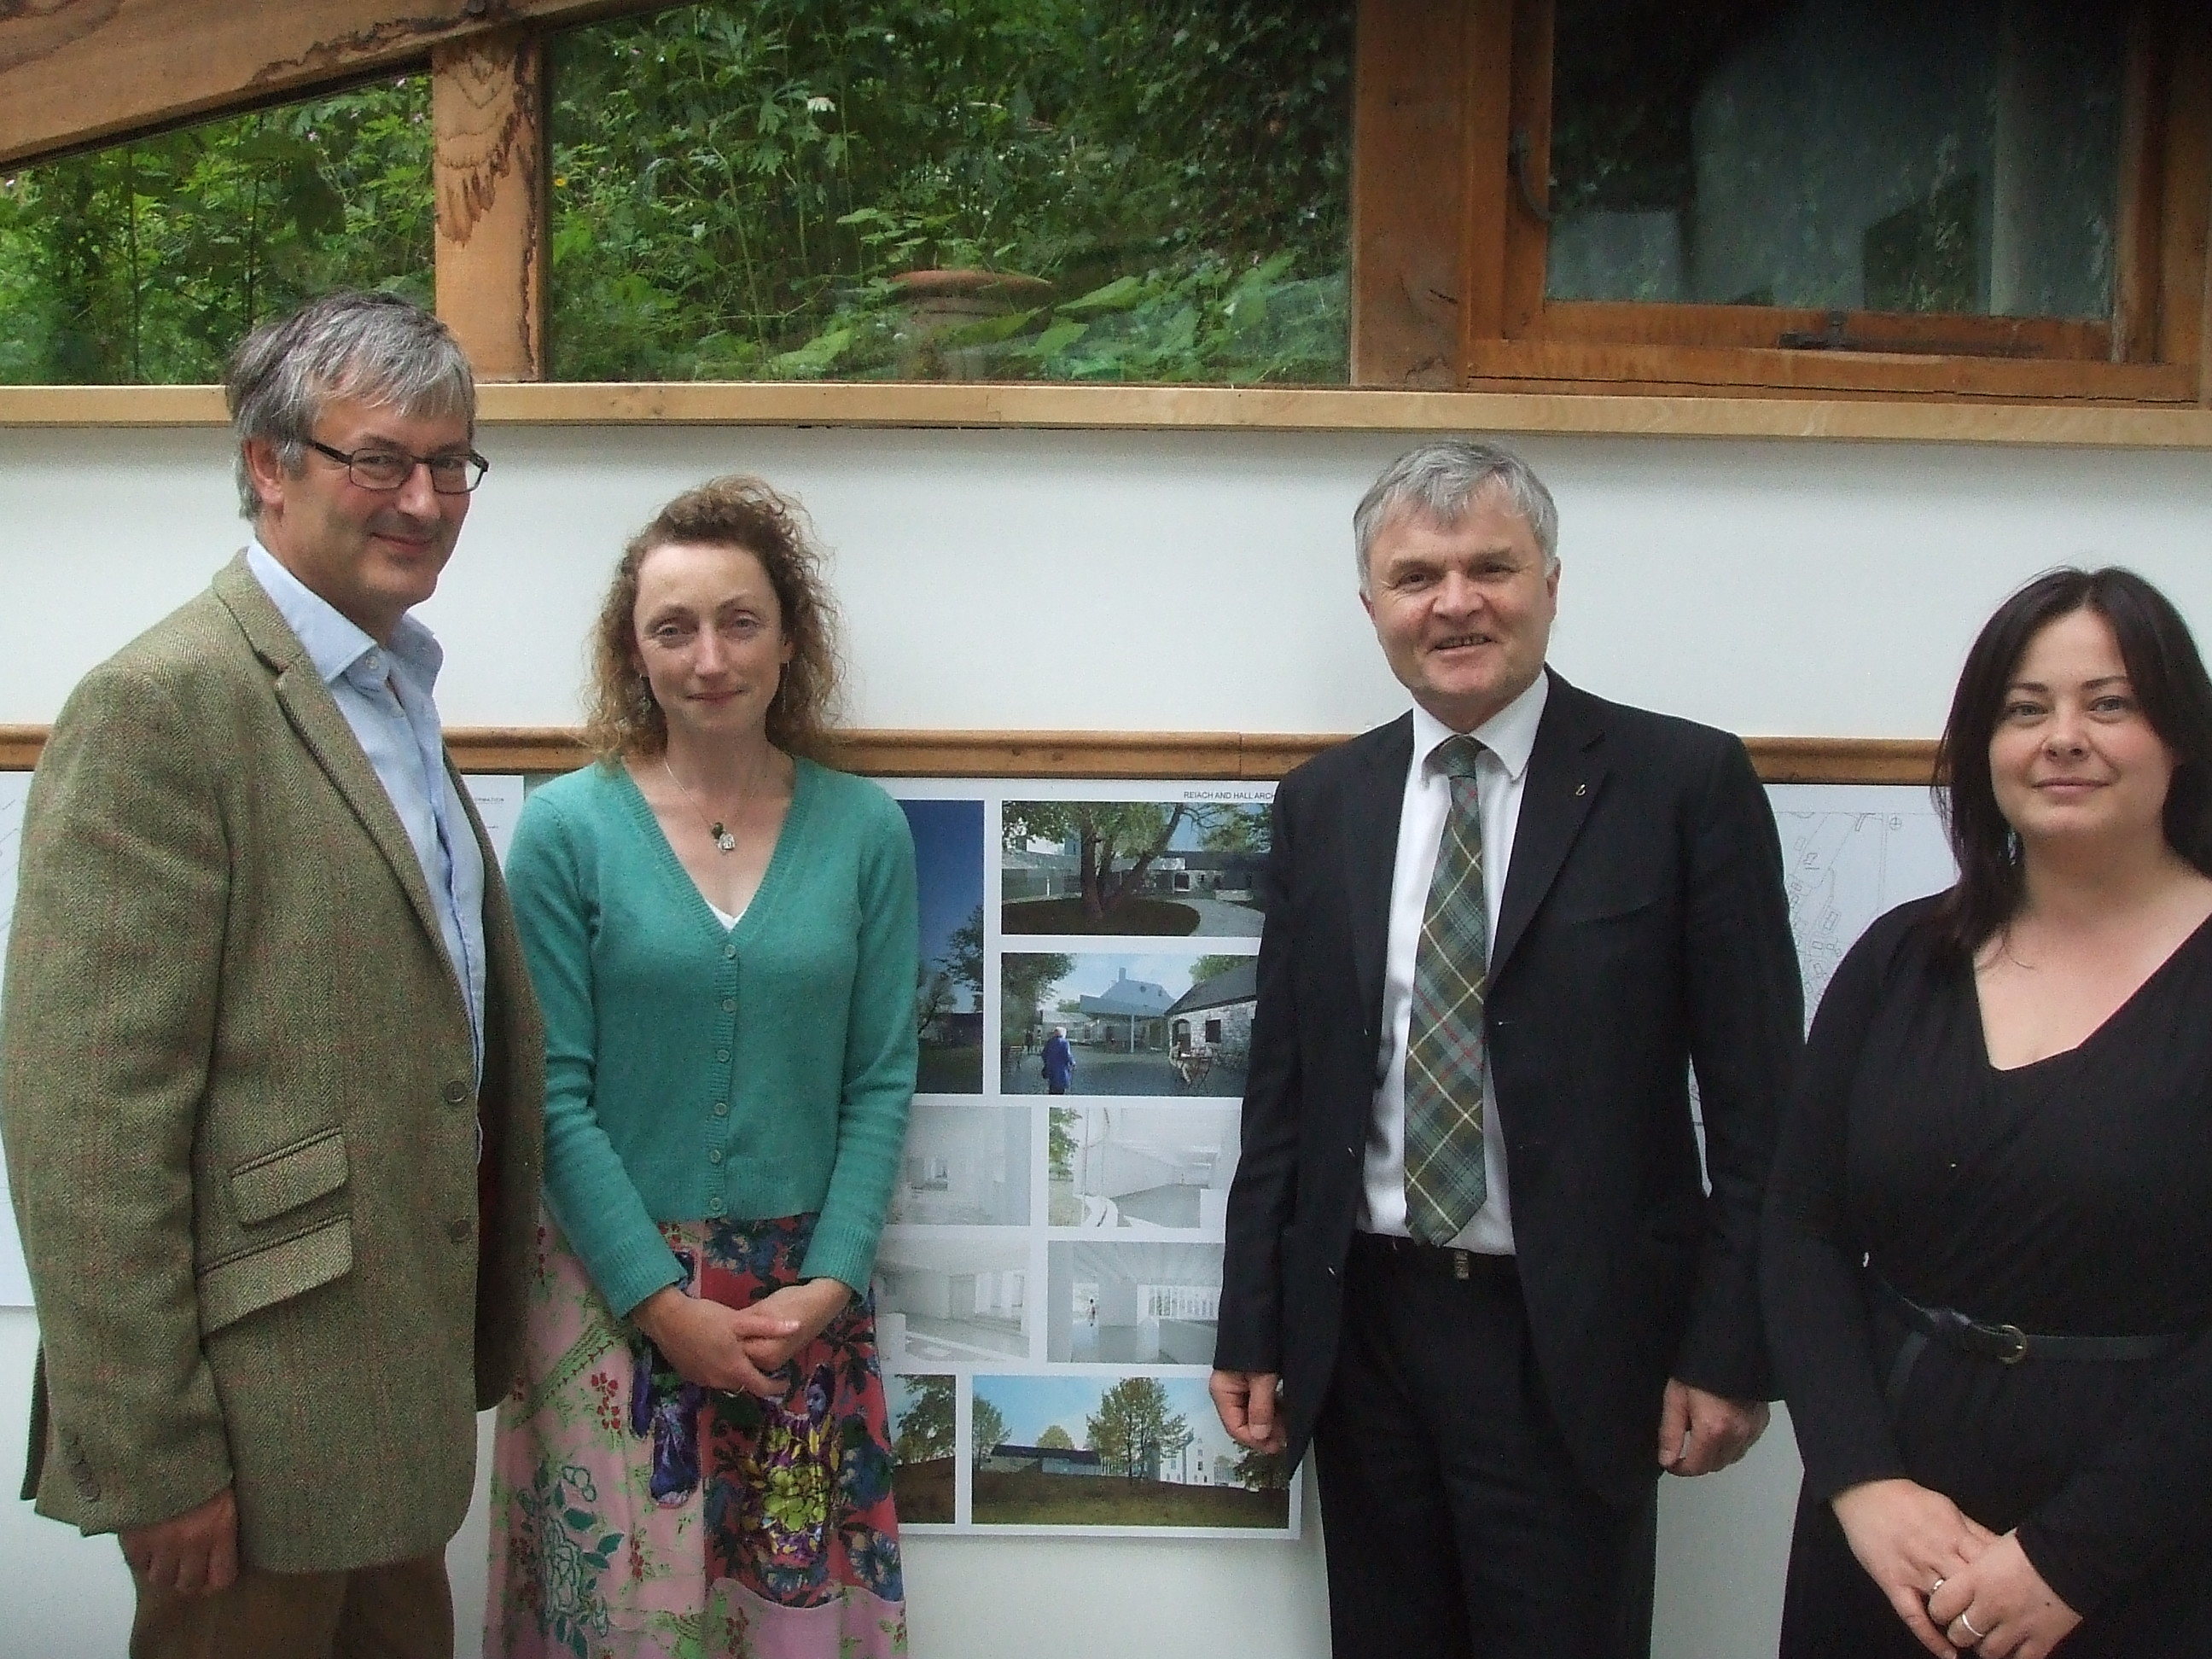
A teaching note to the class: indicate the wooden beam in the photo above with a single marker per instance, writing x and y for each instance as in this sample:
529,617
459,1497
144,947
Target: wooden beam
76,73
1249,756
1409,136
488,110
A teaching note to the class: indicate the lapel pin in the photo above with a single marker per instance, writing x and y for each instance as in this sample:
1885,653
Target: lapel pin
1582,789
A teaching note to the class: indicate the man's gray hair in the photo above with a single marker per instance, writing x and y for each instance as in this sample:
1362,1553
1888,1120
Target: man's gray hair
379,348
1439,479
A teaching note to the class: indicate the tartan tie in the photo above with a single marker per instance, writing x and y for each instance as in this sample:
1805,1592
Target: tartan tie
1444,1180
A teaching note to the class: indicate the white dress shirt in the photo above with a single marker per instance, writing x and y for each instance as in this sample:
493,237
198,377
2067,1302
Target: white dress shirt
386,697
1507,739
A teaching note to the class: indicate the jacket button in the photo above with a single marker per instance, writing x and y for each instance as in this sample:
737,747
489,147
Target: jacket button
456,1092
458,1229
89,1490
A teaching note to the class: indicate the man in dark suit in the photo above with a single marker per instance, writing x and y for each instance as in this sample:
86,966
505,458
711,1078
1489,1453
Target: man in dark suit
1470,1255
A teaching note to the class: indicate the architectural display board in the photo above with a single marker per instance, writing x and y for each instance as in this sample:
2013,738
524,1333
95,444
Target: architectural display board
1047,1290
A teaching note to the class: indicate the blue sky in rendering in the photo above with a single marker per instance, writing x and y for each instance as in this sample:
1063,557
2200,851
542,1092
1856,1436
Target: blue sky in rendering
948,857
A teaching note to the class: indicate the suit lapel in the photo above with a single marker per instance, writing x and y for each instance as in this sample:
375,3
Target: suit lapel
314,714
1566,770
1372,803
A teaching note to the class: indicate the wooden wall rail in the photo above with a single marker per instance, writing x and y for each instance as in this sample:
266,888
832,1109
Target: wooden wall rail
1224,409
1228,756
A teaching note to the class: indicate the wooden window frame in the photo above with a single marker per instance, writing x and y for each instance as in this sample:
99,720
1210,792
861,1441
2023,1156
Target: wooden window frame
1458,300
1447,266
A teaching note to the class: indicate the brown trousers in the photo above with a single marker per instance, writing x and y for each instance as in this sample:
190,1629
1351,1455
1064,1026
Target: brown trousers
402,1611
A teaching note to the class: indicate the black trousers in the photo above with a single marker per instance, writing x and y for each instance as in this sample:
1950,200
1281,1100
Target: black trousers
1455,1524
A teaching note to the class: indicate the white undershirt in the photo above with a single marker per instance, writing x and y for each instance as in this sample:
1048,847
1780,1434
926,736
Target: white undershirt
1507,738
725,917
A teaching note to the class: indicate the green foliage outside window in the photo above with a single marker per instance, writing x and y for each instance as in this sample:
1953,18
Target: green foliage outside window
148,262
740,191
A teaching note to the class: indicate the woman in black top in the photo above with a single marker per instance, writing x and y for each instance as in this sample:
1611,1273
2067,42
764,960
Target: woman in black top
1988,1248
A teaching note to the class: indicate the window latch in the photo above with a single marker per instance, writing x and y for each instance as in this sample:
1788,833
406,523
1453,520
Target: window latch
1518,151
1831,338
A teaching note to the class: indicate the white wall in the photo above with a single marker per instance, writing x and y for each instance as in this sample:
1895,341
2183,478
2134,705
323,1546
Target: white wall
1035,580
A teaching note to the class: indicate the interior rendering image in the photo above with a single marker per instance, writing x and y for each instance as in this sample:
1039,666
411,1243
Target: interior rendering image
1140,1304
946,1297
965,1165
1142,1169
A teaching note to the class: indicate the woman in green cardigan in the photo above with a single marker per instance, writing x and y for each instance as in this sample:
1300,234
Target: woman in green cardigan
722,933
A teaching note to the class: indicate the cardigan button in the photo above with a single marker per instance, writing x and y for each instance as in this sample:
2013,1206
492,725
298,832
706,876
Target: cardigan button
728,952
729,1004
721,1109
713,1155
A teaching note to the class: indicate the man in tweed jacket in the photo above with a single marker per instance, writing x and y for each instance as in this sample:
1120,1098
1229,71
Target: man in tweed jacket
270,1072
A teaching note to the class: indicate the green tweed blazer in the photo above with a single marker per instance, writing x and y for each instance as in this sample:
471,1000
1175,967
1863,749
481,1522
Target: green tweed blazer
241,1116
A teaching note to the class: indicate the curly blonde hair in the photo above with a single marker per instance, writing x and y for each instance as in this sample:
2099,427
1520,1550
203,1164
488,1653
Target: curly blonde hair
623,720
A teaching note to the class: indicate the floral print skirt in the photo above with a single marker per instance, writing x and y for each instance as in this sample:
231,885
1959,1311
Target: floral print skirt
635,1515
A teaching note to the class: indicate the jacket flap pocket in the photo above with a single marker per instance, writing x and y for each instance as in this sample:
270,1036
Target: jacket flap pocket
246,1284
288,1177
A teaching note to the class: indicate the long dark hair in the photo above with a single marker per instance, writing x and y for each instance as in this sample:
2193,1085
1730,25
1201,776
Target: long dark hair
2170,686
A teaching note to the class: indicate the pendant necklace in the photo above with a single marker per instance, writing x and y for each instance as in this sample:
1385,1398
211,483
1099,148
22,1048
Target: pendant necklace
723,841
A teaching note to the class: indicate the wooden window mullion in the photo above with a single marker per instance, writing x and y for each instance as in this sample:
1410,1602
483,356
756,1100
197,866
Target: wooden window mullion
2143,167
1431,82
2185,274
489,109
1529,185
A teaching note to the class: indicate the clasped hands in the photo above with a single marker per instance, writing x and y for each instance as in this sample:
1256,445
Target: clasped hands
1957,1585
740,1350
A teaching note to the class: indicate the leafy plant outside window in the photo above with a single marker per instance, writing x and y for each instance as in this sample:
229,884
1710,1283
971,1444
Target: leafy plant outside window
147,262
1010,189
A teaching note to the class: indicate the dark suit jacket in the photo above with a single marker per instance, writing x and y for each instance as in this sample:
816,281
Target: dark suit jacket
238,1089
1644,928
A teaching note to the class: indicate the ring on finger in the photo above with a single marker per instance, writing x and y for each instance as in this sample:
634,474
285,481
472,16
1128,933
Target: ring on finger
1978,1634
1936,1588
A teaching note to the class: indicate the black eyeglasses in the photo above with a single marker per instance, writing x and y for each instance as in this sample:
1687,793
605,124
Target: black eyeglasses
389,469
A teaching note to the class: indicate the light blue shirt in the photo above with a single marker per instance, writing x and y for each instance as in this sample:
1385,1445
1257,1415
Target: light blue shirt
386,697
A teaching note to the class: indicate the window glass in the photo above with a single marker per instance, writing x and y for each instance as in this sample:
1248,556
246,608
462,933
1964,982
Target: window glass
147,262
976,189
1844,154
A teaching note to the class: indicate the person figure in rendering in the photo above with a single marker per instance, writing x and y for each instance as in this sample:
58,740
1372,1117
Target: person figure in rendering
1058,1058
270,1072
1470,1256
